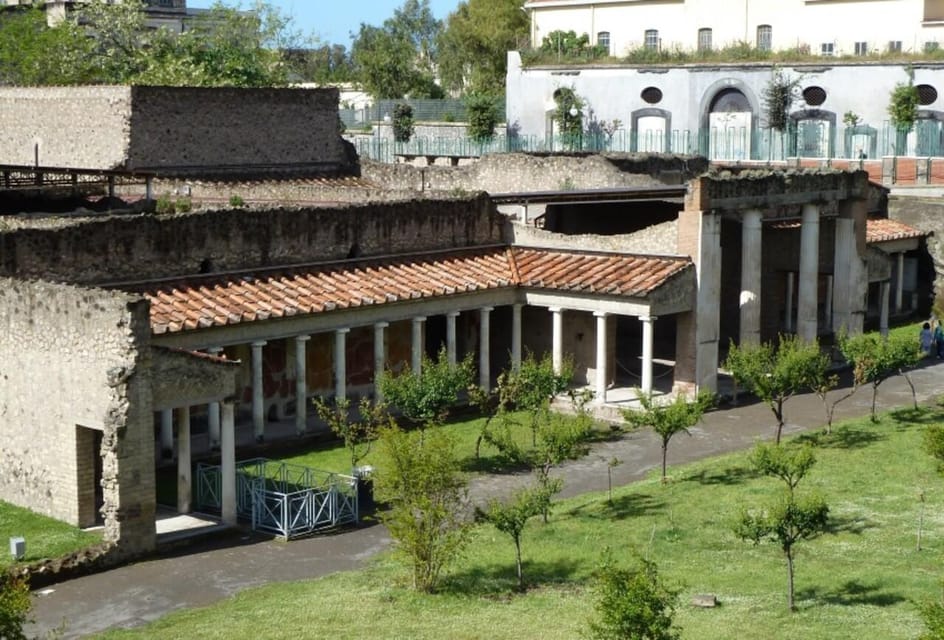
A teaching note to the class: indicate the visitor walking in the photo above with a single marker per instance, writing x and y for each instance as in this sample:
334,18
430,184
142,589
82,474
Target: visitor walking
926,338
939,341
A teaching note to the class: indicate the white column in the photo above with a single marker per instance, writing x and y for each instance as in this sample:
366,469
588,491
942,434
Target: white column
213,413
148,188
228,463
167,433
416,344
340,364
807,302
602,353
485,374
301,385
828,302
850,285
184,481
516,336
899,281
557,338
451,336
258,397
883,296
380,357
708,304
751,249
647,340
788,320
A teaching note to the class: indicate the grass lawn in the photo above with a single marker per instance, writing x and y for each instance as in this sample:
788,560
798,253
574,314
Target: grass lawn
858,581
45,537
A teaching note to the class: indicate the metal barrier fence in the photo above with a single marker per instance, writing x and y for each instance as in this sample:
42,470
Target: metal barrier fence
804,139
284,499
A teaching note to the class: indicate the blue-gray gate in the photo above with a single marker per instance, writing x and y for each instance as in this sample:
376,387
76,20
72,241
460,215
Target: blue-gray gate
285,499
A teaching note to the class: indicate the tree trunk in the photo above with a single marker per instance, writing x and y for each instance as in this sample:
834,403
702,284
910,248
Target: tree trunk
518,563
665,450
778,412
874,393
789,554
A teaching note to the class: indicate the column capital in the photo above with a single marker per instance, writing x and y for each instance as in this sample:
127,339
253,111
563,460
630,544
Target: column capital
342,330
419,319
517,305
486,309
302,338
555,309
648,319
452,314
600,314
258,344
381,325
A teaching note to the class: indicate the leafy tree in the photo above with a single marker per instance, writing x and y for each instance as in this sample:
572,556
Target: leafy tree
320,63
776,373
903,109
668,419
822,382
15,605
425,397
789,520
358,435
402,122
511,517
32,53
569,117
875,358
568,45
483,116
778,96
418,476
398,59
474,44
633,603
533,387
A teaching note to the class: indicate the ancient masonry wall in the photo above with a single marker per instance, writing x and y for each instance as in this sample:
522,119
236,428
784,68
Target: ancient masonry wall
72,363
169,128
124,248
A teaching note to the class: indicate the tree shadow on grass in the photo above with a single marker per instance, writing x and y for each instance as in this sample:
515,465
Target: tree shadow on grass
729,476
492,463
494,579
621,507
857,526
909,416
844,437
853,593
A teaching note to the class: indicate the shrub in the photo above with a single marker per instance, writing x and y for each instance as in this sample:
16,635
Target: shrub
165,205
483,116
402,122
237,201
14,606
633,603
183,205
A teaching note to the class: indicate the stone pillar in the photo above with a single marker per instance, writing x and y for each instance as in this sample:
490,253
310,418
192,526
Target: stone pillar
148,188
850,285
516,336
557,338
380,358
899,281
167,434
213,413
485,374
451,336
708,321
258,397
647,340
791,286
828,302
807,303
228,462
416,345
301,385
883,297
751,272
602,353
340,364
184,480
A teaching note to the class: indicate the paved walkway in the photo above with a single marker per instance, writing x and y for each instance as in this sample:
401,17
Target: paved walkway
200,575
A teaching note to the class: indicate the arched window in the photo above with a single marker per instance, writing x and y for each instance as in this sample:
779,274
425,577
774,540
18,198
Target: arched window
765,37
704,39
603,41
652,39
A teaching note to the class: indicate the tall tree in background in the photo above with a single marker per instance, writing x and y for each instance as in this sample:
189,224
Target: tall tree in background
321,63
33,54
398,59
474,45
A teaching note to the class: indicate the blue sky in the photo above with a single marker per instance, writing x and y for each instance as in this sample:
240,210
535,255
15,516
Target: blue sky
334,20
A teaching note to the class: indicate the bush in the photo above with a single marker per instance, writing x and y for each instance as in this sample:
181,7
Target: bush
236,201
402,122
483,116
14,606
164,205
183,205
633,603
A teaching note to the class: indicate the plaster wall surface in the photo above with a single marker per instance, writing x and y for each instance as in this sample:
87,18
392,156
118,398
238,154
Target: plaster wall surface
71,360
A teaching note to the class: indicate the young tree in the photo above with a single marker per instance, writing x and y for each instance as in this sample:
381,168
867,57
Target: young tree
633,603
425,398
402,122
358,435
778,96
775,373
533,387
875,358
483,116
668,419
903,110
418,476
15,606
789,520
822,382
511,517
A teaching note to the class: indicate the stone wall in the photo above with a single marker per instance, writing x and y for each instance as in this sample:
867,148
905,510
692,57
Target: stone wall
514,172
72,364
924,213
659,239
125,248
169,129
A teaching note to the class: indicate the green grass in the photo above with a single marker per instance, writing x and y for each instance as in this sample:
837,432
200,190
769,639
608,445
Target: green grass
45,537
858,581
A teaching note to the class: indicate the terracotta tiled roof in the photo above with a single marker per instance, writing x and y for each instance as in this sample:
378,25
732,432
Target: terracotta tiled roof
884,230
227,299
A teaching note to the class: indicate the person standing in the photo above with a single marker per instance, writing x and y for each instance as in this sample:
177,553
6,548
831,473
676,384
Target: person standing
939,341
926,338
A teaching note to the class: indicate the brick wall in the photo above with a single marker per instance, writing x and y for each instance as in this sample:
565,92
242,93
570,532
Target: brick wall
70,362
124,248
